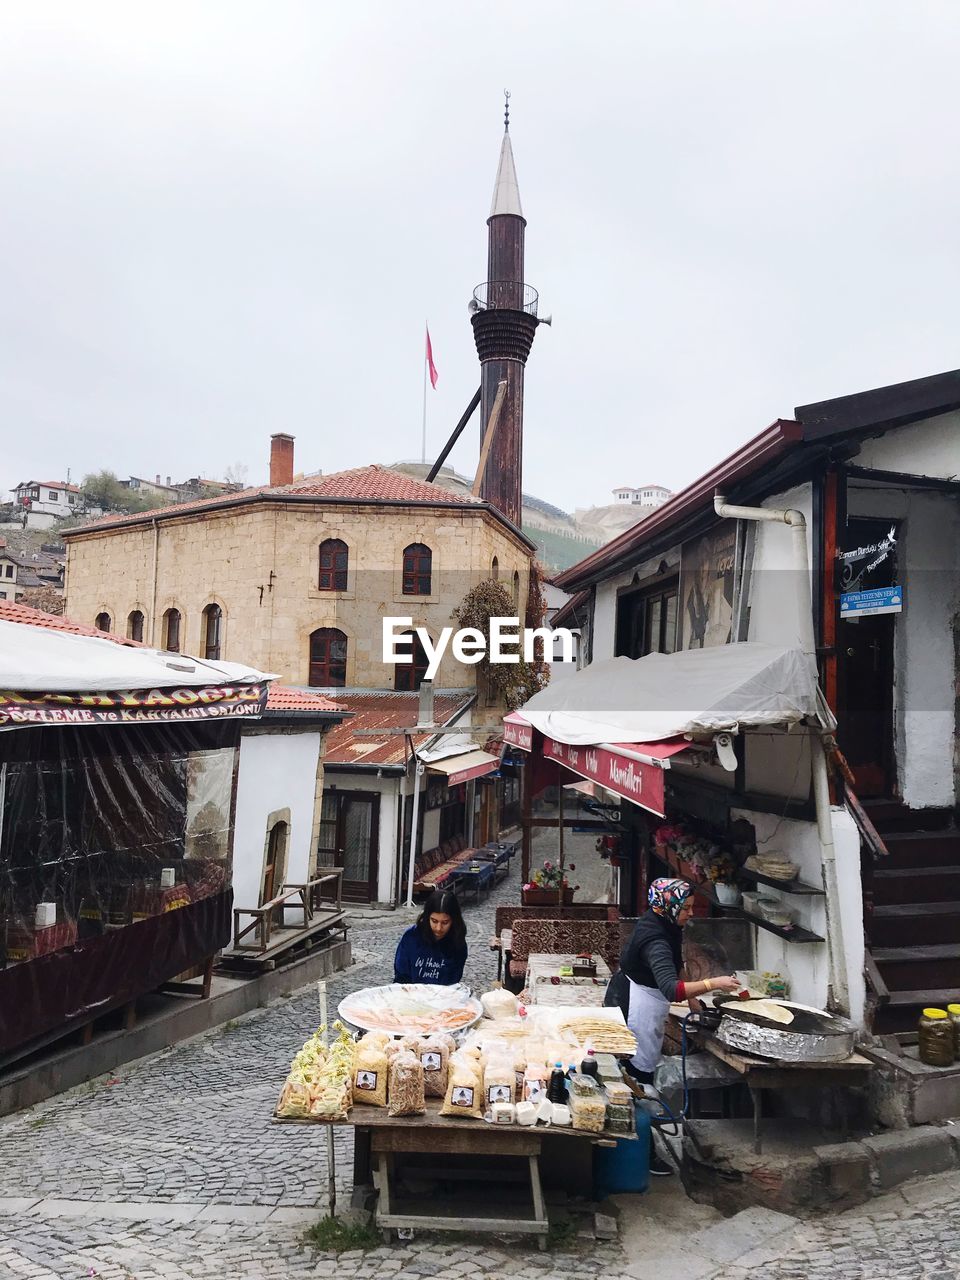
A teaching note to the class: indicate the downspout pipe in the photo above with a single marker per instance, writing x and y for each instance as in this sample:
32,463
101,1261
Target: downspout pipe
414,817
796,522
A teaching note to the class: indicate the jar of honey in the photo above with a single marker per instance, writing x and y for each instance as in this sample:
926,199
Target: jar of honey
954,1011
935,1032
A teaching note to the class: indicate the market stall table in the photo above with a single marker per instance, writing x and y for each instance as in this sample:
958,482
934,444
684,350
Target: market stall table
547,986
380,1138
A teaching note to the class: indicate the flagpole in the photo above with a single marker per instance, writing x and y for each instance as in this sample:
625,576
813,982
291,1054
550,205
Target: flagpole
423,437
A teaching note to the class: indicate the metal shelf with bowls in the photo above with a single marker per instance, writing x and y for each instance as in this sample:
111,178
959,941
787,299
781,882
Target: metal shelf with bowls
788,886
793,933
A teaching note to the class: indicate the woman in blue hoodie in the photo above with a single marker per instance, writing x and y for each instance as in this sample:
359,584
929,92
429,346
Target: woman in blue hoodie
434,950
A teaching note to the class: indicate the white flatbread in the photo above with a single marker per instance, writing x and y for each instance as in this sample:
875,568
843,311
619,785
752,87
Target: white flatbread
765,1009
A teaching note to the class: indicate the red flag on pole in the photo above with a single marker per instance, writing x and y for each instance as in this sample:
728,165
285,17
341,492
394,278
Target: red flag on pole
431,367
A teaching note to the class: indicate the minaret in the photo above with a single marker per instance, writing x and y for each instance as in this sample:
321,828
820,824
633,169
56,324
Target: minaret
504,321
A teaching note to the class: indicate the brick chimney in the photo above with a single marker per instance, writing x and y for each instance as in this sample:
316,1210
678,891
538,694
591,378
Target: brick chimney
281,459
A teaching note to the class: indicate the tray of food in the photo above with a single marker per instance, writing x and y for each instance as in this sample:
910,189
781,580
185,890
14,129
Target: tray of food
411,1008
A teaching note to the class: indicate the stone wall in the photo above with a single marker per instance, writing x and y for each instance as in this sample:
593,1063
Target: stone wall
260,564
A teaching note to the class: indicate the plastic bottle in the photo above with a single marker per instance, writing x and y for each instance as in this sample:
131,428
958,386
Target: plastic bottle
557,1089
589,1066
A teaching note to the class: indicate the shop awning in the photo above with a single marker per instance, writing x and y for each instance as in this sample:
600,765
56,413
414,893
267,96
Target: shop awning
633,770
464,767
517,732
698,691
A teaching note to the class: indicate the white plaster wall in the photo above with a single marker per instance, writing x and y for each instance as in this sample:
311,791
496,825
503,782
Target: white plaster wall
779,596
277,771
927,448
924,665
807,965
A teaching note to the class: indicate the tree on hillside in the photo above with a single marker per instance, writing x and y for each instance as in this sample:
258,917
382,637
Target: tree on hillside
103,489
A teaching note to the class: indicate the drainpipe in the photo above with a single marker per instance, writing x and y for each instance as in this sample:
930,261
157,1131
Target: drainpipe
821,787
417,777
153,606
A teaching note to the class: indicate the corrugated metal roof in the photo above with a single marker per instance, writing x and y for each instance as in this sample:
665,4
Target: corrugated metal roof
384,710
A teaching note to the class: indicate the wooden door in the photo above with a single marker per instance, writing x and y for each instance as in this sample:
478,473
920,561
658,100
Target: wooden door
349,838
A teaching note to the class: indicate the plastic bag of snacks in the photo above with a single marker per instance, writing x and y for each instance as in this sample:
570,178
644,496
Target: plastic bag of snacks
370,1073
406,1085
332,1094
535,1079
499,1080
294,1101
464,1096
498,1003
435,1060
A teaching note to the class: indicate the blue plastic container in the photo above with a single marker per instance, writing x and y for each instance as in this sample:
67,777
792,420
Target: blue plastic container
625,1167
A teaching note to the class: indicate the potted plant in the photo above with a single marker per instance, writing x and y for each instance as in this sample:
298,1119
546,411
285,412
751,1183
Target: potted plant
549,887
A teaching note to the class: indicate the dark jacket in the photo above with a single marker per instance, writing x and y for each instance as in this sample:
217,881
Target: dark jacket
438,963
654,955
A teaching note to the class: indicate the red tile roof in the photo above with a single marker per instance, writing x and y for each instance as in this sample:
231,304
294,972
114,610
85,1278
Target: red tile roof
383,711
280,698
10,612
283,698
362,484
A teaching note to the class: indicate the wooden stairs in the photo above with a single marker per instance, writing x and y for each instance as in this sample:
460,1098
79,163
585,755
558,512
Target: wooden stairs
912,913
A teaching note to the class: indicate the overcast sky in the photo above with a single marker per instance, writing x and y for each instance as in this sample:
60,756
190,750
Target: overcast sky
221,220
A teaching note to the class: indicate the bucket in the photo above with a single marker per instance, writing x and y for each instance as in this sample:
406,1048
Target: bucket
625,1167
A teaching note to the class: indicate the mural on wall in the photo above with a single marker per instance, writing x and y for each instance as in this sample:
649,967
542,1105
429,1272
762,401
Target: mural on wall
707,587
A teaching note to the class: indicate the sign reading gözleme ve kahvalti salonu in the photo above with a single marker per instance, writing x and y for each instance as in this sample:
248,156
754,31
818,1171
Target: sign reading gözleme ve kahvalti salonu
508,642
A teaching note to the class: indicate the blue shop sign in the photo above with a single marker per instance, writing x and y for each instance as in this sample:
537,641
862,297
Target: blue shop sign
864,604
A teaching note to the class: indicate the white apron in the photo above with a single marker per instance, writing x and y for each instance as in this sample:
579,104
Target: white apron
646,1018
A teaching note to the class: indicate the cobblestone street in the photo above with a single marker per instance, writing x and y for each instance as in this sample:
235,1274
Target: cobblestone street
172,1169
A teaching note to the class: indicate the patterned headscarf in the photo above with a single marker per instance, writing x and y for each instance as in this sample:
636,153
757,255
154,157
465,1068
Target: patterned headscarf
669,897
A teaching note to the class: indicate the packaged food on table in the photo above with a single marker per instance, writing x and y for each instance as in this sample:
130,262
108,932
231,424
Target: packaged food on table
370,1073
499,1081
332,1093
561,1115
619,1093
435,1059
624,1112
503,1113
526,1113
588,1113
406,1085
583,1086
499,1003
535,1079
519,1066
294,1101
621,1126
464,1096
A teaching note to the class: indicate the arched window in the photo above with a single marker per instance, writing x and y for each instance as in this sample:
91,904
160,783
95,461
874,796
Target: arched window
495,569
410,675
102,622
212,629
333,565
516,588
328,658
171,630
135,626
417,565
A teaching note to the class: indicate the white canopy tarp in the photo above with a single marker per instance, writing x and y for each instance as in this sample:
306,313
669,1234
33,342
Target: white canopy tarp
697,691
43,660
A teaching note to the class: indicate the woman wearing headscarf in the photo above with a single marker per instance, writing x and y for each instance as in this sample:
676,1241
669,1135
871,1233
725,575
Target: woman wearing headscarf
653,961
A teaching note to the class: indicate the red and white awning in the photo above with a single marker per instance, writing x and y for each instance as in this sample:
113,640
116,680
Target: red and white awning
517,732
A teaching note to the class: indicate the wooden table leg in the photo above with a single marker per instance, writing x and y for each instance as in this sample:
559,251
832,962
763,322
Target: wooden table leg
539,1208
